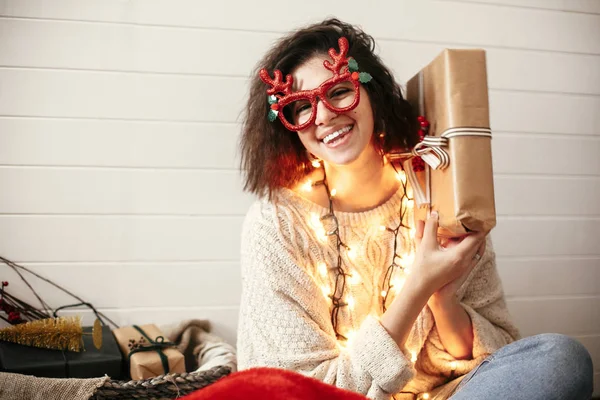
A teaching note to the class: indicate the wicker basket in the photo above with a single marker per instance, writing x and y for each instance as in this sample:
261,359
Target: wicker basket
163,387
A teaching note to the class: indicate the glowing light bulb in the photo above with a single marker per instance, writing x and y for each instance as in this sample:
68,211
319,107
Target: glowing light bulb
398,283
350,335
413,357
401,176
453,365
354,279
307,186
316,164
315,220
350,302
333,192
315,223
425,396
352,253
382,228
383,293
322,269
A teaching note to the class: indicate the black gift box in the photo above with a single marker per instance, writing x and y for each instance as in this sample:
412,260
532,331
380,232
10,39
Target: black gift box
90,363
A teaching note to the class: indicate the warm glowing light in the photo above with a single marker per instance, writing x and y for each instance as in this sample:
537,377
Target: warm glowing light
315,220
401,176
383,293
354,279
317,225
408,259
425,396
308,185
409,192
453,365
350,302
412,233
333,192
397,284
325,290
413,357
322,269
350,335
410,203
351,253
322,235
382,228
316,164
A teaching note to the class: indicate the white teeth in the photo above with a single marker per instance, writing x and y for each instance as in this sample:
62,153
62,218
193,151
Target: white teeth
337,133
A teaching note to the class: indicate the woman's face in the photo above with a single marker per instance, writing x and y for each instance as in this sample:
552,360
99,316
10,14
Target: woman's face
335,138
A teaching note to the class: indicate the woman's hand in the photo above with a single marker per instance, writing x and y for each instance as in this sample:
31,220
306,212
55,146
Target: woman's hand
448,292
443,270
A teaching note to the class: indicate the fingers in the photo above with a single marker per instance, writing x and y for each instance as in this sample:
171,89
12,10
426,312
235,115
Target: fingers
430,230
419,232
471,244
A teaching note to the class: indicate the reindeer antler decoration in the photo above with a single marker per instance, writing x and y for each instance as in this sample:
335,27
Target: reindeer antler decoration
339,59
277,85
281,94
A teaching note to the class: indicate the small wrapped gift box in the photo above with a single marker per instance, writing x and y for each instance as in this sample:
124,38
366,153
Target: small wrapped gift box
456,176
148,352
90,363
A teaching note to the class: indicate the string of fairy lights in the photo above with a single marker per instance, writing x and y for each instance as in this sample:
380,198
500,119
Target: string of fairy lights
327,226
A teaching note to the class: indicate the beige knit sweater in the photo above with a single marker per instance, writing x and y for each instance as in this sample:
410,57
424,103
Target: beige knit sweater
285,319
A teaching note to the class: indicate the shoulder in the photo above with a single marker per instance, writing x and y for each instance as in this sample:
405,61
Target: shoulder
274,223
274,243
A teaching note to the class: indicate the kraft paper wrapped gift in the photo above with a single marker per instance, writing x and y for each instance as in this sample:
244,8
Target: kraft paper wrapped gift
452,93
148,362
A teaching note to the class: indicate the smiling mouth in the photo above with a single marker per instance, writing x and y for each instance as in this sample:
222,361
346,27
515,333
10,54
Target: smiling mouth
337,135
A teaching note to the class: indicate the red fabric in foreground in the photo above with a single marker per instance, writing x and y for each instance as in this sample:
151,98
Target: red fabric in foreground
271,383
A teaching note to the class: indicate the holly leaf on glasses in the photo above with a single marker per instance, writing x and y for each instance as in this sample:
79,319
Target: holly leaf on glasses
272,115
364,77
272,99
352,65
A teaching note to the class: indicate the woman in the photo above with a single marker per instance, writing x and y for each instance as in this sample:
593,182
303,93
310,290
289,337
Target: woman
333,286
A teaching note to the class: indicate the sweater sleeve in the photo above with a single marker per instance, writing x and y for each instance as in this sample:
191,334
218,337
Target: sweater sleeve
285,321
482,297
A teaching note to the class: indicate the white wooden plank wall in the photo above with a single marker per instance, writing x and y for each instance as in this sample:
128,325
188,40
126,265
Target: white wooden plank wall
119,124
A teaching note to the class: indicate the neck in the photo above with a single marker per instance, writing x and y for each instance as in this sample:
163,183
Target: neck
362,185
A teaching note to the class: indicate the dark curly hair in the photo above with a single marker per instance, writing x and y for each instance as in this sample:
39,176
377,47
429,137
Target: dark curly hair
273,157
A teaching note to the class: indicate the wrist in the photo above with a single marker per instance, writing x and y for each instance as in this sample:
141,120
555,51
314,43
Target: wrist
418,287
440,302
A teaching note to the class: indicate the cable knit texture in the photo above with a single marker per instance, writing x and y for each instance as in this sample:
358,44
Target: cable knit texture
285,319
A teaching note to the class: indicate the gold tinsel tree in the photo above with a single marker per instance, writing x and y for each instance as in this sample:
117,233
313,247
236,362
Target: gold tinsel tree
62,333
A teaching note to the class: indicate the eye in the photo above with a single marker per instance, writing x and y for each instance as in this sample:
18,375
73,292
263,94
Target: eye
300,108
339,92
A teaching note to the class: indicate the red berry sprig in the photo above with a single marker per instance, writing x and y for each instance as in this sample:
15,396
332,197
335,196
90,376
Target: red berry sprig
417,162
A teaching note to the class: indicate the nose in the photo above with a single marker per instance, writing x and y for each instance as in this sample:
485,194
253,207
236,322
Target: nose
324,115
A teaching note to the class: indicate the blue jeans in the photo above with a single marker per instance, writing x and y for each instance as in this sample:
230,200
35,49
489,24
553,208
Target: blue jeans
544,367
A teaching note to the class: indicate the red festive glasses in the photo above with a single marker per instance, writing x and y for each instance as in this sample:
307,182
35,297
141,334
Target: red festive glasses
340,93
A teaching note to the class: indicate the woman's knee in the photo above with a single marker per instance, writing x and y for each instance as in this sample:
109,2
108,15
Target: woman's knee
568,355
